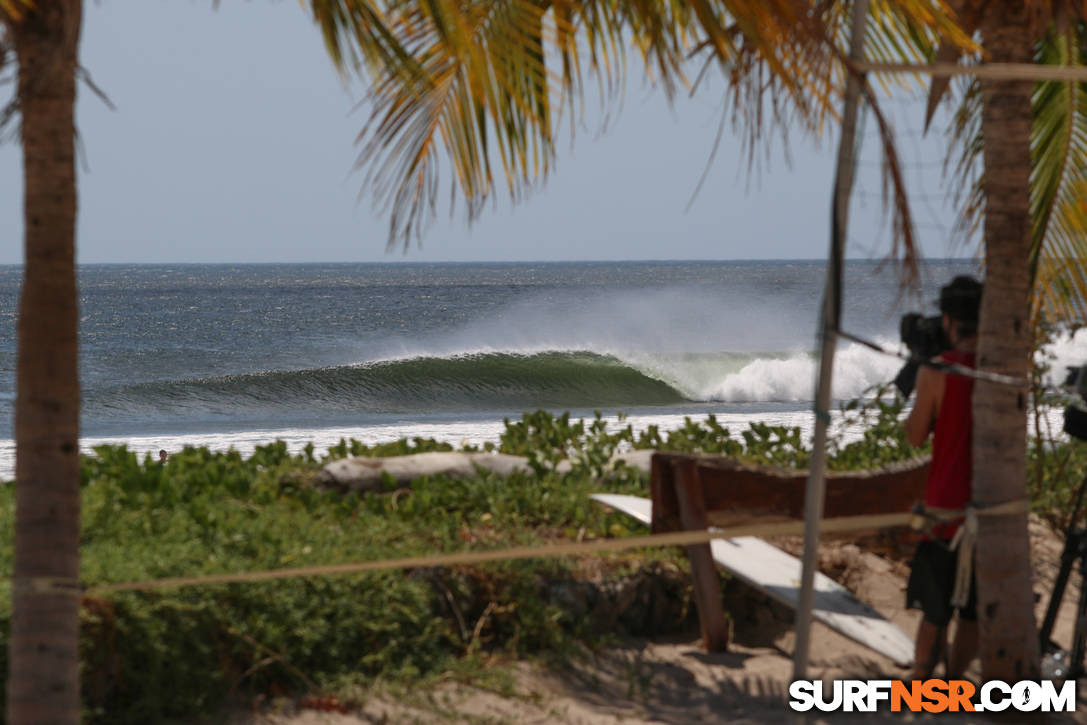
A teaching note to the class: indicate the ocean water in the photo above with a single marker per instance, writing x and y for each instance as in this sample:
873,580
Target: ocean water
240,355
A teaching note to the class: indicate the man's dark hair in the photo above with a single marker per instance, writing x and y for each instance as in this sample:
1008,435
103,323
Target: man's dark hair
961,301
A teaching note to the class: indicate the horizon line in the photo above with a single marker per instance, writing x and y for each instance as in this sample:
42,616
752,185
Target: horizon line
880,260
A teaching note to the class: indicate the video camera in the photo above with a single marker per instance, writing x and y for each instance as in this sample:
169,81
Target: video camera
1056,662
1075,415
925,338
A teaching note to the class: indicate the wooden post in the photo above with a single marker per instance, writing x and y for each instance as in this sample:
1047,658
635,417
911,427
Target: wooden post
816,488
707,585
662,492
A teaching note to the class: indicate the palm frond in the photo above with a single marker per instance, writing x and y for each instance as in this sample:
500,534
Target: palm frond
14,10
901,31
483,82
963,163
487,82
967,14
1059,180
1058,177
357,33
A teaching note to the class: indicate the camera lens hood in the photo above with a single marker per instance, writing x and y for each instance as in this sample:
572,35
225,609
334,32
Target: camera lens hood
1075,422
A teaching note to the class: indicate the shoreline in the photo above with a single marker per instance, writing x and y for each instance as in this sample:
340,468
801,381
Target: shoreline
455,433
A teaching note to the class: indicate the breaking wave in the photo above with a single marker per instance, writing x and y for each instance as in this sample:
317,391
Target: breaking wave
489,381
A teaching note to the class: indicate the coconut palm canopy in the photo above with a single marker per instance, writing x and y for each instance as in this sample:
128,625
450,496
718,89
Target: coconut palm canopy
485,86
1058,151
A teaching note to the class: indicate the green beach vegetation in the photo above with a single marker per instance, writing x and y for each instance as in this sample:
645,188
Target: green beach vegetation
174,654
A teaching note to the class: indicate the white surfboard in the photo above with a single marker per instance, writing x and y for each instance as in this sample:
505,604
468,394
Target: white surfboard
777,574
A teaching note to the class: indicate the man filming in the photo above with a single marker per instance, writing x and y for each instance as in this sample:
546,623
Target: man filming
943,408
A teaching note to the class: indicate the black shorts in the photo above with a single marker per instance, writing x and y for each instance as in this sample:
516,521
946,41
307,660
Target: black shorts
932,581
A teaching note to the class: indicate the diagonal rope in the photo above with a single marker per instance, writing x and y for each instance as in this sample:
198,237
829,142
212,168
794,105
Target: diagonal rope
990,71
678,538
953,368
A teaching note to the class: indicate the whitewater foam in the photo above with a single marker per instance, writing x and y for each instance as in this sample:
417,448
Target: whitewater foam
792,379
1067,351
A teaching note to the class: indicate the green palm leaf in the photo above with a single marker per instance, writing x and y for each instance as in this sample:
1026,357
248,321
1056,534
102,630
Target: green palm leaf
484,84
1059,180
1058,177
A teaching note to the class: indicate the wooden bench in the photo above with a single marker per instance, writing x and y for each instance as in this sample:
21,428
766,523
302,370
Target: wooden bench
691,492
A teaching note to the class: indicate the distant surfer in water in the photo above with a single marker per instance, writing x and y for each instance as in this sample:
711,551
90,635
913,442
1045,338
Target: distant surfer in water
943,408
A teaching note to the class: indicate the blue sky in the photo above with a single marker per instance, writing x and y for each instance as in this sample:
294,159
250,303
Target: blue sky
233,141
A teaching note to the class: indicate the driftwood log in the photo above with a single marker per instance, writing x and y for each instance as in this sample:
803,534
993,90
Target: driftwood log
365,474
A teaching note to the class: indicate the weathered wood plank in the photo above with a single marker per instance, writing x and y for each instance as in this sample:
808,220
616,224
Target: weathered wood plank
735,492
707,586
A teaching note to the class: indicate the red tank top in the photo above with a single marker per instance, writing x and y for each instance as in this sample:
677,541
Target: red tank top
951,470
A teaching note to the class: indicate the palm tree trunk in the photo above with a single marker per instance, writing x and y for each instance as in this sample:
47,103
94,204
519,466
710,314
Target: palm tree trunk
1009,643
43,683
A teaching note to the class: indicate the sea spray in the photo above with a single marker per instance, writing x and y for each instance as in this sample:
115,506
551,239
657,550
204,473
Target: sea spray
856,369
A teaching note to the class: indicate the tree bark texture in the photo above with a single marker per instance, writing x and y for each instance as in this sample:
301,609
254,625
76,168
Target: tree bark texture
1009,642
43,681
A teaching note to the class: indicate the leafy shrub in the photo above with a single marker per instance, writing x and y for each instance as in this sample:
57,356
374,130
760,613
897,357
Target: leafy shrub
402,447
883,439
547,439
171,654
